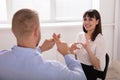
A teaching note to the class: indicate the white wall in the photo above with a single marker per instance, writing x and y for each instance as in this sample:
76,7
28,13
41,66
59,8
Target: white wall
68,32
107,10
118,49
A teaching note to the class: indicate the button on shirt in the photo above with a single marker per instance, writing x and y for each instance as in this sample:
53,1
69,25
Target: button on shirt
21,63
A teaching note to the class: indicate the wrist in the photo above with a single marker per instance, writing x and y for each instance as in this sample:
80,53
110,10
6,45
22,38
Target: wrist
88,50
68,52
41,48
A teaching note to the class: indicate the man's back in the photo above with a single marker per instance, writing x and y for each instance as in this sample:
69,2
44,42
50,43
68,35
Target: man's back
25,62
28,64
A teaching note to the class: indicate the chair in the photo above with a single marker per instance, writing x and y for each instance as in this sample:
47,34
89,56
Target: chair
102,74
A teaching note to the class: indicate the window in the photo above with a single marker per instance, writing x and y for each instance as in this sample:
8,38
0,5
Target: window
53,10
3,11
42,6
71,10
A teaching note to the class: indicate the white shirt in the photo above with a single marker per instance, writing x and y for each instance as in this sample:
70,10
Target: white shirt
97,47
28,64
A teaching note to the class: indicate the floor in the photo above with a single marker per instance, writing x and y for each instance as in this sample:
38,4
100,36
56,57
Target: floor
112,74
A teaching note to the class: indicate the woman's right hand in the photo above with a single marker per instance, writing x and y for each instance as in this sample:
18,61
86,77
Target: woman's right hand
73,47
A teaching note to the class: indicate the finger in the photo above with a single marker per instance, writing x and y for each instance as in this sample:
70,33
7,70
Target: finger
52,39
75,44
78,46
82,44
56,37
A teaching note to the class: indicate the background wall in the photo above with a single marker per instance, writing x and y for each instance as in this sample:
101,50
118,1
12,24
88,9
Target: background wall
107,9
68,32
118,52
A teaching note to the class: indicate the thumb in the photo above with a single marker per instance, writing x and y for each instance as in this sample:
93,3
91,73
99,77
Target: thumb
56,37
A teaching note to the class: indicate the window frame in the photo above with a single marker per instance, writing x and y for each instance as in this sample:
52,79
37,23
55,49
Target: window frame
52,12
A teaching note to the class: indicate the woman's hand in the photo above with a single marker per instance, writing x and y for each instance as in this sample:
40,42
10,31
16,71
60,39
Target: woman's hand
73,47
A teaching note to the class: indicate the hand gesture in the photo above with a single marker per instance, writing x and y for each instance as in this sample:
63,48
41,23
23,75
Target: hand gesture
73,47
86,44
62,47
47,44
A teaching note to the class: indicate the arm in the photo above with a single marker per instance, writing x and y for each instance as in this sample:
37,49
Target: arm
74,70
94,60
97,56
58,71
100,51
75,67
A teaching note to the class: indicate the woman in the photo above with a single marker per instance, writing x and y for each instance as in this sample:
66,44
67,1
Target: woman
90,47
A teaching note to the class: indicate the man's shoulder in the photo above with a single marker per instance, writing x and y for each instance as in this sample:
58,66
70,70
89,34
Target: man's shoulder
3,52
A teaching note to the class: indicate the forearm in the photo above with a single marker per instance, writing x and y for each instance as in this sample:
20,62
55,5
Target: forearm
75,67
71,62
94,60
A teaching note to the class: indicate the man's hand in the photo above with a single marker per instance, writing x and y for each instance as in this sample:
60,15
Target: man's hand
47,44
62,47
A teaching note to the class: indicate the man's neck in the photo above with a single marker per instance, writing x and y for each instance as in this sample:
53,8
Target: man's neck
26,44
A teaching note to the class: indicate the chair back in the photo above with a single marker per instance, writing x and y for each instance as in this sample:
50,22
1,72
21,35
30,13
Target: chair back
102,74
106,66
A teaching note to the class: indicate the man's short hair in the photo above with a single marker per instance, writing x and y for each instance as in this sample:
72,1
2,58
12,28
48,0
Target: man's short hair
24,22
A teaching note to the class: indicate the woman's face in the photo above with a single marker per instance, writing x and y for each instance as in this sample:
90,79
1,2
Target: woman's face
90,23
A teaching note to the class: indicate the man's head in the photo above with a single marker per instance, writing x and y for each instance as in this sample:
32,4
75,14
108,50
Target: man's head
25,23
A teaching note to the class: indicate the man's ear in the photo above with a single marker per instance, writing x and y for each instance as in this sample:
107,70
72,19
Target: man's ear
36,32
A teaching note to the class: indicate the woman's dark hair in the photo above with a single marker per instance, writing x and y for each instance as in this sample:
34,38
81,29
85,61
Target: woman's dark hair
92,13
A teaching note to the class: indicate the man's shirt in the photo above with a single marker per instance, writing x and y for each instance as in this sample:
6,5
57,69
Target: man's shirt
21,63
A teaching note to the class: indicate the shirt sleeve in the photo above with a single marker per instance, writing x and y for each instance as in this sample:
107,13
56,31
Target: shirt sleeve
76,71
100,51
39,50
73,70
3,51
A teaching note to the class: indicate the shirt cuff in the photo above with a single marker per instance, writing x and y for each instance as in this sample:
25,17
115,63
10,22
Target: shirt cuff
68,58
38,49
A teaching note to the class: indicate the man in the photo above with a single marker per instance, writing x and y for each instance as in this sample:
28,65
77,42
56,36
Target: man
25,62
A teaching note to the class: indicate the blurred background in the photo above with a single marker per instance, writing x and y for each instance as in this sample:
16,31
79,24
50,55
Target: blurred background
65,17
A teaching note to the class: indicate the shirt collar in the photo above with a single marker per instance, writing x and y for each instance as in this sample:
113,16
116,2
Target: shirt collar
25,51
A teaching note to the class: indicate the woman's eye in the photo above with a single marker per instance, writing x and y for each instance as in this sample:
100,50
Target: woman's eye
84,19
90,19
